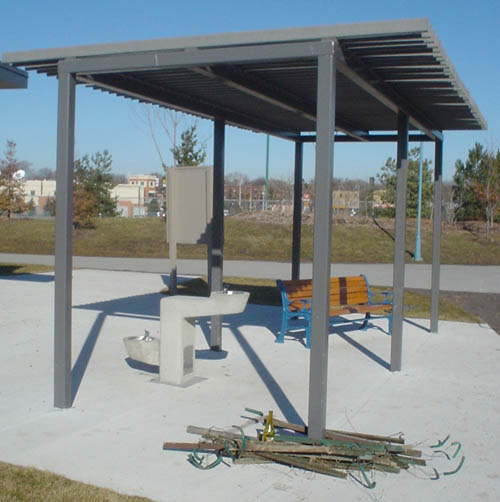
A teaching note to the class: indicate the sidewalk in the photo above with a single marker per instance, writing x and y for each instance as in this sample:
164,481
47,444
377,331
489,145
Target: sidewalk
113,435
470,278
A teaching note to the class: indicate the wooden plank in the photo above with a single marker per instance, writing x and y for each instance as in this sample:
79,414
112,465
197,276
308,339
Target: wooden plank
303,464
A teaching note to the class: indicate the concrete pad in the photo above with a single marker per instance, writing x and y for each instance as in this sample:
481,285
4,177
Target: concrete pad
121,416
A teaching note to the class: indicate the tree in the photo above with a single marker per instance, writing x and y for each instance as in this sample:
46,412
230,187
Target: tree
153,119
91,189
188,153
236,179
468,204
117,179
50,206
11,184
387,178
153,207
487,187
43,173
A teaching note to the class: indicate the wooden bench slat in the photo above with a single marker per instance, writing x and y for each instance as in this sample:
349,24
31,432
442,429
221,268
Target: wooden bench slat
348,295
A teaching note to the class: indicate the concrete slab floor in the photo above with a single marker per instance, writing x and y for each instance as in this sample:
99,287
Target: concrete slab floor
113,434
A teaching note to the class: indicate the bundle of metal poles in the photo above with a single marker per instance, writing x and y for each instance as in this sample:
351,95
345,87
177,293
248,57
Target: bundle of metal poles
338,454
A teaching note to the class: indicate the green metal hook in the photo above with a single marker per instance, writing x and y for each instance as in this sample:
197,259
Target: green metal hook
256,412
243,438
460,464
459,447
196,461
441,443
370,485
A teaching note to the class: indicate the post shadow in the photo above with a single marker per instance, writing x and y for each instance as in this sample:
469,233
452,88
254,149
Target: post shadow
86,351
289,412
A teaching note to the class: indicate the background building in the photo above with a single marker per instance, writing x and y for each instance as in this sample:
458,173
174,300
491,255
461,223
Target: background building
38,192
130,199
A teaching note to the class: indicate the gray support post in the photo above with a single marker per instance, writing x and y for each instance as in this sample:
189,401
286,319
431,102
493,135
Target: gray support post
399,244
436,235
64,244
325,128
297,209
217,229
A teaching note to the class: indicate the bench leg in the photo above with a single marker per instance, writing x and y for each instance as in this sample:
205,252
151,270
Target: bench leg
283,330
308,333
364,326
390,324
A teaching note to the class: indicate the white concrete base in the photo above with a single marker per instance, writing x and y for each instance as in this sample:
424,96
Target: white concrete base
120,419
177,330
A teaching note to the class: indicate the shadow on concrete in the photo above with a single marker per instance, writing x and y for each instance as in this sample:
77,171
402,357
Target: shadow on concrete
85,354
289,412
42,278
417,325
138,365
147,306
270,319
341,327
364,350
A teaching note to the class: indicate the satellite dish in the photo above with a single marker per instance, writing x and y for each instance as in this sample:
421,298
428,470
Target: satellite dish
19,175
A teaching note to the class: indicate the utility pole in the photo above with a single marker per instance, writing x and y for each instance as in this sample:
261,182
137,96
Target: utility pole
267,173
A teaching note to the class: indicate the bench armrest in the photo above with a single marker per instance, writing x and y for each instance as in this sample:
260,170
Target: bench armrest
388,297
305,305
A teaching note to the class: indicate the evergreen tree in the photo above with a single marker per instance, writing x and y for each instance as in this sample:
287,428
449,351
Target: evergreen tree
91,189
475,184
153,207
188,153
468,203
476,189
11,185
387,177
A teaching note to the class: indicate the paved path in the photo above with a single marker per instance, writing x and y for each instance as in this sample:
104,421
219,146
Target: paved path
470,278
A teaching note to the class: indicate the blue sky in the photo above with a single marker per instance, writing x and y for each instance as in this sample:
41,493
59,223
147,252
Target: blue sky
469,32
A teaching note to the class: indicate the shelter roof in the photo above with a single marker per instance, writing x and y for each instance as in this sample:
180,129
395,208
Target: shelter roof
382,67
12,78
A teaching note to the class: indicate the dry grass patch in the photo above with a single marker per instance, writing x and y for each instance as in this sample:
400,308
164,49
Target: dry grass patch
27,484
248,238
21,268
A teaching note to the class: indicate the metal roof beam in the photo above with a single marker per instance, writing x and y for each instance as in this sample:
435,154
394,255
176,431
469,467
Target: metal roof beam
394,105
194,57
188,104
12,78
260,89
370,138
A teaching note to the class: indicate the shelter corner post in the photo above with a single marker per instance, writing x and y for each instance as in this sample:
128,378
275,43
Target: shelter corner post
216,245
63,240
325,128
297,210
436,235
399,243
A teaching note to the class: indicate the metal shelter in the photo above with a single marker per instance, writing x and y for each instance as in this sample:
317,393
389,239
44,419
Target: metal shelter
12,78
383,81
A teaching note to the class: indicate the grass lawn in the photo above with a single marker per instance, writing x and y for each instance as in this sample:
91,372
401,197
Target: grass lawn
26,484
251,239
265,292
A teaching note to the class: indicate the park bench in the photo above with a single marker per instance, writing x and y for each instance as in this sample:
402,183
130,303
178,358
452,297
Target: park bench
348,295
